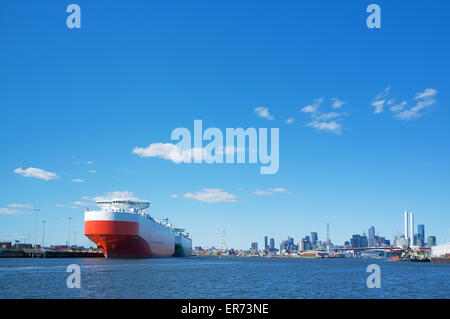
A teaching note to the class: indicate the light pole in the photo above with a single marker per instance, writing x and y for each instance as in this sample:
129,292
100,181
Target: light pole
43,232
36,228
70,218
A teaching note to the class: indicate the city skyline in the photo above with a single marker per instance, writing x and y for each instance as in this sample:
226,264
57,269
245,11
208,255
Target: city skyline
362,116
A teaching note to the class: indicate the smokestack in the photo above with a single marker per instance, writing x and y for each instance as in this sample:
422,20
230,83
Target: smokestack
406,225
411,228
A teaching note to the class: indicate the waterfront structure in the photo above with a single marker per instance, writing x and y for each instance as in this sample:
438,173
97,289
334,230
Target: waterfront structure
372,241
266,244
254,247
441,250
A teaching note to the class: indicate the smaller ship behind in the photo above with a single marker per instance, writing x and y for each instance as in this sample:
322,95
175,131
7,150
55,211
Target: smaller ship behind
183,243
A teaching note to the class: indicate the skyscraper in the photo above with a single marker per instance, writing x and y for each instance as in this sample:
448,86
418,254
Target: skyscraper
254,246
431,241
314,239
421,235
266,244
372,242
355,241
272,244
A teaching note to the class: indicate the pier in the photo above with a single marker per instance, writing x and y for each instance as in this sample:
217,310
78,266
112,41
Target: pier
44,253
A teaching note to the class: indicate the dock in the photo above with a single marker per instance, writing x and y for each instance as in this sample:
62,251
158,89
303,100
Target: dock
41,253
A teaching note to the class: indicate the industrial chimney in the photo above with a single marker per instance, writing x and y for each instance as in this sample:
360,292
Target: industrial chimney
411,229
406,226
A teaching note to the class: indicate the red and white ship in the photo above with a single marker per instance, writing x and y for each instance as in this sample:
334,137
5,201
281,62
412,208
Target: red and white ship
122,228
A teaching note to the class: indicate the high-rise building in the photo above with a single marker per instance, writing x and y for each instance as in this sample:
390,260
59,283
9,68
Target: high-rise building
372,241
355,241
305,244
284,245
431,241
314,239
421,235
364,241
254,246
272,244
266,244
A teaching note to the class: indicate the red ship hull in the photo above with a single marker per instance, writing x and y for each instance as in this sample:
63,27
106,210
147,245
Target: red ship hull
126,235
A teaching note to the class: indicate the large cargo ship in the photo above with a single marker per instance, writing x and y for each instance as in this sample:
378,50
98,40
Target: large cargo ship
122,228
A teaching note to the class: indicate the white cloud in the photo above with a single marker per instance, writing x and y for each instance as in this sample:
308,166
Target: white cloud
89,162
111,196
29,206
289,120
177,155
380,100
424,100
212,195
263,112
337,103
428,93
66,206
92,171
262,193
332,126
379,106
77,180
174,196
78,203
312,108
279,190
328,116
10,211
166,151
398,107
270,191
36,173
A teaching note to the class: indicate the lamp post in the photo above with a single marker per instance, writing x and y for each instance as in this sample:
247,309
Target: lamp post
70,218
36,228
43,233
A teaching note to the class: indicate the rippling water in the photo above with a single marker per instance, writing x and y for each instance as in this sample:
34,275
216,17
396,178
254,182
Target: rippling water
228,277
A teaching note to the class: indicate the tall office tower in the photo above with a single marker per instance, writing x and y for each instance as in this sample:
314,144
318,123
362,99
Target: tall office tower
411,228
254,246
421,235
364,241
355,241
224,242
431,241
372,241
272,244
266,244
314,239
328,236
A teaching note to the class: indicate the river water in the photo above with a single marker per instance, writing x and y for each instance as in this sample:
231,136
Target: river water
225,277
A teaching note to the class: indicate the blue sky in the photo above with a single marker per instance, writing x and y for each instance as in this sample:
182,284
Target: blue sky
77,101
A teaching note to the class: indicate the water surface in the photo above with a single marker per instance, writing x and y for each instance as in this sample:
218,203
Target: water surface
227,277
